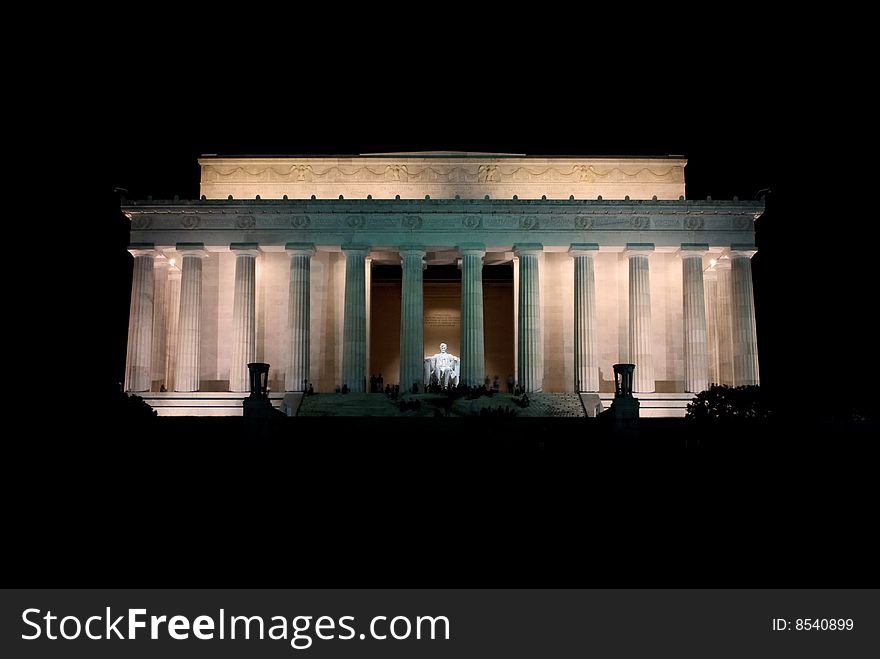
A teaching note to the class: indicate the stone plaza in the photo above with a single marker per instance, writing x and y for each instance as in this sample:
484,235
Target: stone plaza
333,269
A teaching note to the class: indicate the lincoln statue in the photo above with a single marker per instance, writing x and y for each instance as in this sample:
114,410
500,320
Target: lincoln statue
443,368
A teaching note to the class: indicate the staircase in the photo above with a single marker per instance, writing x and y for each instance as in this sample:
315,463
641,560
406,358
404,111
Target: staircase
656,405
348,405
201,403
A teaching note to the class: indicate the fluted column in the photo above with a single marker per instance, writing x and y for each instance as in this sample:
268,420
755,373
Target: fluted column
745,337
354,333
173,296
189,317
298,317
696,361
368,293
472,346
641,352
412,344
586,354
244,315
160,319
140,320
710,280
529,345
515,316
725,322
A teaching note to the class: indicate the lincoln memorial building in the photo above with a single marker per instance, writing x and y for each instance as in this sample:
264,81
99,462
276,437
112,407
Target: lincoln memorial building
333,269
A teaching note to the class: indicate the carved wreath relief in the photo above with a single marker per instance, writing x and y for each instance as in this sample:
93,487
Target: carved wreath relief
693,223
245,222
583,222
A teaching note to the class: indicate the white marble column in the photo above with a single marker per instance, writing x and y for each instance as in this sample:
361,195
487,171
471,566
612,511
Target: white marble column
244,315
412,344
641,351
696,361
725,322
173,304
160,320
298,374
745,337
710,280
354,333
529,345
368,293
586,353
140,319
189,317
515,316
473,366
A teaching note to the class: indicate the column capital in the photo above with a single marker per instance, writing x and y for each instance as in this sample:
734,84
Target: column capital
638,249
528,248
411,250
299,249
693,250
722,264
192,249
161,261
245,249
583,249
142,249
356,250
472,248
710,274
742,251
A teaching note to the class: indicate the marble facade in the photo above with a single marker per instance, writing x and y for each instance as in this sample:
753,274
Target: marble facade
611,264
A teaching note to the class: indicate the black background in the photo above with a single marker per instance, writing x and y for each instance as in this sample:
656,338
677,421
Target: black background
94,507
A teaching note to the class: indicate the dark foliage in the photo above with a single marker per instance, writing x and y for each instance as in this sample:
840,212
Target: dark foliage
131,409
726,403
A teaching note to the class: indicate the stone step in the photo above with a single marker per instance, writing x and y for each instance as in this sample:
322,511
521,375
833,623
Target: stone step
201,403
656,405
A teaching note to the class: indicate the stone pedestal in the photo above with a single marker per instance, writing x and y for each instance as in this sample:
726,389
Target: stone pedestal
244,316
298,373
472,346
745,337
412,346
529,345
354,333
140,321
696,366
641,351
189,317
586,354
624,408
257,408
